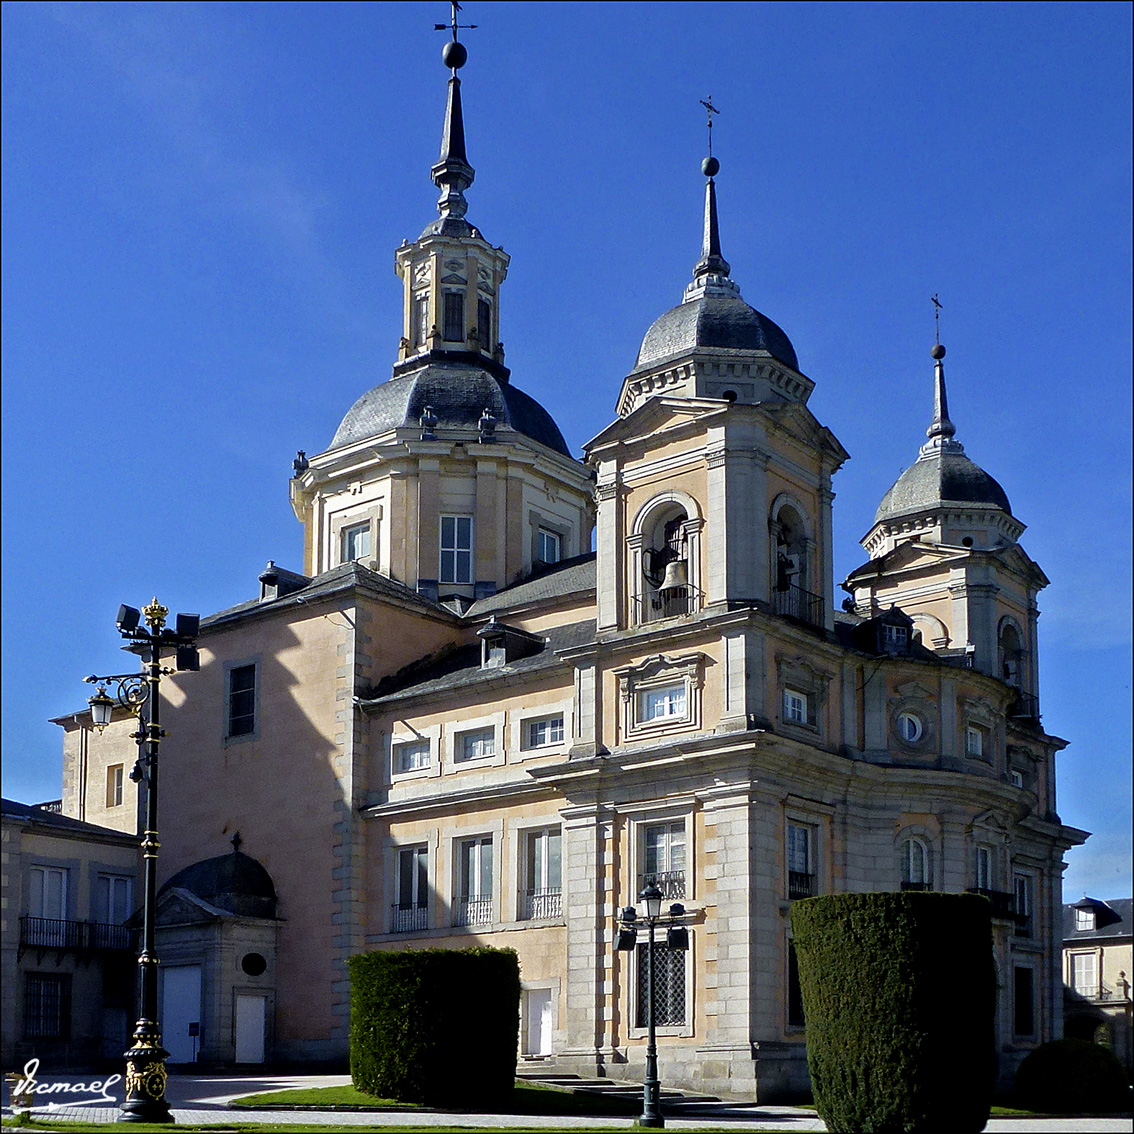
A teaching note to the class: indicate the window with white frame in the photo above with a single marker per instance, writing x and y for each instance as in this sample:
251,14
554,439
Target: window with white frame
915,865
802,878
47,892
795,707
543,875
895,638
982,860
456,549
548,546
1016,777
473,904
474,745
910,728
975,741
670,1000
355,542
411,756
114,898
1022,904
115,777
543,732
420,319
663,703
664,858
1085,974
661,694
1084,919
411,910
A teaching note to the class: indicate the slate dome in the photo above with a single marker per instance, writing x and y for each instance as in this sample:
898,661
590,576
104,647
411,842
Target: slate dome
714,320
942,477
235,882
458,394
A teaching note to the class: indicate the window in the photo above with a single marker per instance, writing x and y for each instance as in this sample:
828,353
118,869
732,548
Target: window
548,730
548,546
114,778
801,860
356,542
47,895
114,898
669,985
420,320
242,700
1016,777
1022,904
662,704
974,741
1023,1004
543,896
894,638
474,884
663,858
411,911
475,745
795,707
484,323
456,549
1084,919
983,860
1085,974
795,1017
454,317
412,756
910,727
47,1006
915,865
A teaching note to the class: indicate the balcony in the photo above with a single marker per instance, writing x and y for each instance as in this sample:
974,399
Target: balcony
1025,707
917,887
800,885
670,882
542,905
472,911
407,919
794,602
673,602
77,936
1003,904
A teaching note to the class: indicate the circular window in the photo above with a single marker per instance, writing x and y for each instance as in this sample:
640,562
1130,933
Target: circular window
253,964
909,727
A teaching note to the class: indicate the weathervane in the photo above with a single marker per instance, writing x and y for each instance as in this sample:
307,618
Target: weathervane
452,25
710,110
936,318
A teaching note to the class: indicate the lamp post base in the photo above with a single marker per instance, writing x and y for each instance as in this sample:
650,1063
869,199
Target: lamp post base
145,1079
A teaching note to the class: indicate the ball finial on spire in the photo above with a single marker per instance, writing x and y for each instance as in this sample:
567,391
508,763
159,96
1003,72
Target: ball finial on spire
938,351
454,55
710,167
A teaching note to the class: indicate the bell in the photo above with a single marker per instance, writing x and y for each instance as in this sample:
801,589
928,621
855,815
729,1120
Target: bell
675,575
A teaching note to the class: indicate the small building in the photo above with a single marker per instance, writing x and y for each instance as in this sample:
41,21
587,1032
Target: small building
1098,960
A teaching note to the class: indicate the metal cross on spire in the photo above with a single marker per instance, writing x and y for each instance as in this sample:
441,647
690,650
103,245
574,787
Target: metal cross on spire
710,110
936,318
452,25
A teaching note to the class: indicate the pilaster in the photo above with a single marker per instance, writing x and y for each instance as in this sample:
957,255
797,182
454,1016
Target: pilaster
610,524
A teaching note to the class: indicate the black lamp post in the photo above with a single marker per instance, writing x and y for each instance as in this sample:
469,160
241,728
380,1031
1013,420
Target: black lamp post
139,693
677,937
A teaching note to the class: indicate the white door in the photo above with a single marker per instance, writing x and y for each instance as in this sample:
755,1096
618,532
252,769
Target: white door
181,1006
537,1014
251,1013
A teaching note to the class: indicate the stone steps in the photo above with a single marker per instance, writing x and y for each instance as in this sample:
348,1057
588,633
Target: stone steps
611,1088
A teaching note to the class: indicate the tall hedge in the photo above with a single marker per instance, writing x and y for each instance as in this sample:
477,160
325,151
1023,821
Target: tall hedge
899,995
435,1026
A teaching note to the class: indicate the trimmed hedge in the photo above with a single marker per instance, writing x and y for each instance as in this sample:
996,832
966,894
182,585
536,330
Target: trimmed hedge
899,993
1072,1076
435,1026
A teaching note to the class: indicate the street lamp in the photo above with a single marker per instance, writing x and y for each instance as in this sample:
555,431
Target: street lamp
677,937
139,694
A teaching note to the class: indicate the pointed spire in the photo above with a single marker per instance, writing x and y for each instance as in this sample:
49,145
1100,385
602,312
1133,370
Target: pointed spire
712,263
452,173
941,429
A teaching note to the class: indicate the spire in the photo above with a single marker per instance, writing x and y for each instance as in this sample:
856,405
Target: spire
941,430
452,173
711,271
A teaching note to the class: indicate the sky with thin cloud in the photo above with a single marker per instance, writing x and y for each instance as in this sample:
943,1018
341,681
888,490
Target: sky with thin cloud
201,204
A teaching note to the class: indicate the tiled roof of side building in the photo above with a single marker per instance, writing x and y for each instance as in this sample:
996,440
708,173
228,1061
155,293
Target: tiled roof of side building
461,667
1113,919
64,824
568,577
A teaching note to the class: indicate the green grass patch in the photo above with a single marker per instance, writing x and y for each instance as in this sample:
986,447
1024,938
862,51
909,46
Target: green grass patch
322,1128
348,1095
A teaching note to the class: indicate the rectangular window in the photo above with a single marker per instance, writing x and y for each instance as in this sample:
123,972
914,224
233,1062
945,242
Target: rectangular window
1024,1002
801,861
475,745
411,911
1085,974
114,782
411,757
663,858
669,985
474,884
548,546
895,638
974,741
547,731
1016,777
1022,902
114,898
456,549
983,859
915,865
795,1017
662,704
454,317
420,320
795,707
543,896
484,324
47,1006
242,700
356,542
47,896
1084,919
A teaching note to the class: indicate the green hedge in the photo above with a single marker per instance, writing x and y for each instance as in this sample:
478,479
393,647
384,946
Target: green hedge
1072,1076
899,994
435,1026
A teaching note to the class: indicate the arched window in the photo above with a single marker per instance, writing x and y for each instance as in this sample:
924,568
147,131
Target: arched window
791,549
665,565
915,865
1011,654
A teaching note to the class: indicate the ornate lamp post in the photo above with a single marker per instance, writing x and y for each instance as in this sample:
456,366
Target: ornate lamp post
139,693
677,937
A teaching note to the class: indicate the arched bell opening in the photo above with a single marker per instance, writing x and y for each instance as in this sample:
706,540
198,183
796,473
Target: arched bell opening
792,590
665,560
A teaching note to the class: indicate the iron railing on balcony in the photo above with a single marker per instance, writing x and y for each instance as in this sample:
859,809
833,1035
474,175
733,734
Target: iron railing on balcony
917,886
1003,903
673,602
794,602
406,919
472,910
542,905
61,933
800,885
52,807
1025,707
670,882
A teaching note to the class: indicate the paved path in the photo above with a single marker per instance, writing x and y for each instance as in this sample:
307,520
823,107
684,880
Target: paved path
200,1100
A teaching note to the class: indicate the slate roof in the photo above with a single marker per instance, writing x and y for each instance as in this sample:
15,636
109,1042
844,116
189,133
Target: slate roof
713,320
28,813
458,393
567,577
235,882
1113,919
940,478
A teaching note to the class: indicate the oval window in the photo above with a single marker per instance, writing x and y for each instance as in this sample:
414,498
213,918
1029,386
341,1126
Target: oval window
909,727
253,964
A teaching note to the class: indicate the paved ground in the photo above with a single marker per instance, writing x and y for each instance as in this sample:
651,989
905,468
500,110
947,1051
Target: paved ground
205,1099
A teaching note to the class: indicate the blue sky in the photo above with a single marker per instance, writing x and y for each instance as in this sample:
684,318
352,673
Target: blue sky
201,203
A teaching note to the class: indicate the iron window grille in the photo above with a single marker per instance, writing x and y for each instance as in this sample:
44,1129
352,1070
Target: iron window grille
669,986
47,1006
